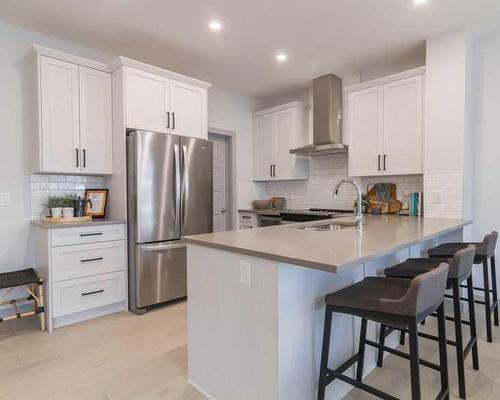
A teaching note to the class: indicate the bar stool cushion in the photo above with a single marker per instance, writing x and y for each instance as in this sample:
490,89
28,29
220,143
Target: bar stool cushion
486,248
392,300
18,278
460,266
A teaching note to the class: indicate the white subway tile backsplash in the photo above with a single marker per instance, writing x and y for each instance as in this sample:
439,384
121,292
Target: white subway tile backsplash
443,196
43,186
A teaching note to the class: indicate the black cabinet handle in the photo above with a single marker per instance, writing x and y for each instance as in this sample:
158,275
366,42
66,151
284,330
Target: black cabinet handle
168,119
173,120
274,170
90,234
77,159
94,292
271,170
245,217
84,158
92,259
385,156
379,162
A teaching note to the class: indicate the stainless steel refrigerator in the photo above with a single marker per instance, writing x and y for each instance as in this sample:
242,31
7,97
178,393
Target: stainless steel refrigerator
169,181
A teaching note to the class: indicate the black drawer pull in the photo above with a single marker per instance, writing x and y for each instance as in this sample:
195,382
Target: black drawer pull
92,259
90,234
94,292
245,217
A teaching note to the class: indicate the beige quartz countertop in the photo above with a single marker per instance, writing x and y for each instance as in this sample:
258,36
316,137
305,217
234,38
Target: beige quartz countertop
333,251
94,222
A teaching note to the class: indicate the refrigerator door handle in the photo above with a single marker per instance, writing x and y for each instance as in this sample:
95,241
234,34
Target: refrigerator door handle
185,186
177,184
163,247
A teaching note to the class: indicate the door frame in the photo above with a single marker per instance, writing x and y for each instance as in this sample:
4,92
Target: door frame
230,139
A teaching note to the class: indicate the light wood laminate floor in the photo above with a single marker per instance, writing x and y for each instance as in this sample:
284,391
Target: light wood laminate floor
124,356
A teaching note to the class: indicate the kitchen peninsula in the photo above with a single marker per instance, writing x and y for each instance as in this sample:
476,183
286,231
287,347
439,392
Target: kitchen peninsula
255,299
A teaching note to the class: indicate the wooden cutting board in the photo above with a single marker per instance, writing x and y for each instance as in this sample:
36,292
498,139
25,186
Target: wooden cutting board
50,220
378,205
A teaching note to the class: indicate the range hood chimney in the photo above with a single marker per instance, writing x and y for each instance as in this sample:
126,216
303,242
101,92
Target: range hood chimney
327,118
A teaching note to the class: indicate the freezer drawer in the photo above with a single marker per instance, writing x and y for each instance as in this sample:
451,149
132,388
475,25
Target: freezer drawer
161,273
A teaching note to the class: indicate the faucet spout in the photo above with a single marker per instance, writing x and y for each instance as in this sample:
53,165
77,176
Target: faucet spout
357,211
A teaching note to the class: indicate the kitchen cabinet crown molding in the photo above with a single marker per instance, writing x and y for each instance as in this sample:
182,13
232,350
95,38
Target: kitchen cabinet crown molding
386,79
71,58
281,107
128,62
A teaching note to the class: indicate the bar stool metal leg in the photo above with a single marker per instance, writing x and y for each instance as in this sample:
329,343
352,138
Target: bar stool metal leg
325,351
459,339
443,360
494,287
361,351
381,342
414,361
472,322
487,304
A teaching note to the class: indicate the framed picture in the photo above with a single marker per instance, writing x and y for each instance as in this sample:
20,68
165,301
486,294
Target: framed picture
97,200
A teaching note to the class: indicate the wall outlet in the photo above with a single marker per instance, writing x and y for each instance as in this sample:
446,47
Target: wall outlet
5,199
245,273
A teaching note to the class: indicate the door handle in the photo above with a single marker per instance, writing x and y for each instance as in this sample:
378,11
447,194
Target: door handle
185,184
173,120
77,158
274,170
84,158
271,170
168,119
177,184
385,156
163,247
379,162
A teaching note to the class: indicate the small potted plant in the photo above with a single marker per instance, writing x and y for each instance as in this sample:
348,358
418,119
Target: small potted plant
68,204
55,204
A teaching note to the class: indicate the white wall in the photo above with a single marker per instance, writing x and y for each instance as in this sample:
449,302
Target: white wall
233,112
486,129
16,136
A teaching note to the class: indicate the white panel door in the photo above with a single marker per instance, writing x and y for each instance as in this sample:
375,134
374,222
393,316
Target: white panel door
403,119
60,125
264,147
188,105
146,101
284,141
219,183
365,129
96,122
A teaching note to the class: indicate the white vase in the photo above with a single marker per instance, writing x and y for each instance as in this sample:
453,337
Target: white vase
55,212
68,212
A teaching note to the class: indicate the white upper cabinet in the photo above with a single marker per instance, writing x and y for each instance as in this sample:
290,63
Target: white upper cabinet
59,136
403,119
276,132
365,119
75,116
188,105
95,121
157,103
146,101
385,125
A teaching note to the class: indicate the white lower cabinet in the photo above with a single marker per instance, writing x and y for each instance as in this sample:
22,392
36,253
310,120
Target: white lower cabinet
85,271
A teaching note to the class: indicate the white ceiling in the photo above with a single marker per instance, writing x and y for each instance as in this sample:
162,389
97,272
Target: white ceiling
345,37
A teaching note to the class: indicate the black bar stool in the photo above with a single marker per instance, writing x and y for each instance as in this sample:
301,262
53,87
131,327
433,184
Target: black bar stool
397,303
485,251
460,270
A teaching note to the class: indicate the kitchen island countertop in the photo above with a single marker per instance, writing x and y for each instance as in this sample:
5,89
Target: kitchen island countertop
333,251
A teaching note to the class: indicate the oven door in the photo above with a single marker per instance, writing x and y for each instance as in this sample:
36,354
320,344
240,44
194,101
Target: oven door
269,220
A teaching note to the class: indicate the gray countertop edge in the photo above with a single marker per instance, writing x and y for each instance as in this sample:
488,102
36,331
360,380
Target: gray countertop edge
94,222
321,266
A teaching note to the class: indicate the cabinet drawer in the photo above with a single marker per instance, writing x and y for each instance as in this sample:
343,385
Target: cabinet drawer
86,293
87,234
78,261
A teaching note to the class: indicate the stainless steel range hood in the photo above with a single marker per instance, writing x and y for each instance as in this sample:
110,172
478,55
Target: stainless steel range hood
327,118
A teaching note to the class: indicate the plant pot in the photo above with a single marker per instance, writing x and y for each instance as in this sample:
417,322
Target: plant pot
56,212
68,212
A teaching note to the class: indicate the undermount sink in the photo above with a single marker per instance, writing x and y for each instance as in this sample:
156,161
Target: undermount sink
327,227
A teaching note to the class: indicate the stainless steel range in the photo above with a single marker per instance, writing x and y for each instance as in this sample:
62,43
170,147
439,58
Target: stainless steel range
312,214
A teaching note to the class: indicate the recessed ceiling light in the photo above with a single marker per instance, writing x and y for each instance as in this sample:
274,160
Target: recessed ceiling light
281,57
420,1
216,26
